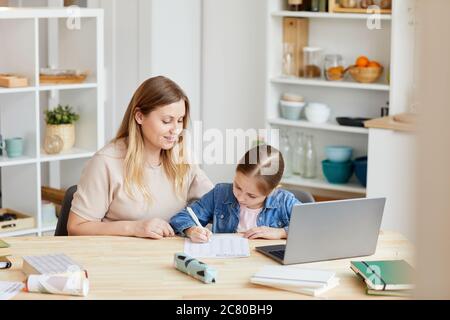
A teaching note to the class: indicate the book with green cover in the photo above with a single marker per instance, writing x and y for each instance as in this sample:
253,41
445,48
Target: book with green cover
4,249
391,293
385,275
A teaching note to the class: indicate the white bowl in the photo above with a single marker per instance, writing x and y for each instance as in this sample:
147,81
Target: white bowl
317,113
316,106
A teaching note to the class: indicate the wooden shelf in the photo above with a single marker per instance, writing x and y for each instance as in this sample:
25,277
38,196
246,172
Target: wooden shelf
325,126
323,184
332,84
327,15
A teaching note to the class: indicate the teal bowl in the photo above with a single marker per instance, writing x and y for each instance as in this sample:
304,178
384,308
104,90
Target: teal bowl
337,172
339,153
361,170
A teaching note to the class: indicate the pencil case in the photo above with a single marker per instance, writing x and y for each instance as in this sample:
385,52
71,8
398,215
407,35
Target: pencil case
195,268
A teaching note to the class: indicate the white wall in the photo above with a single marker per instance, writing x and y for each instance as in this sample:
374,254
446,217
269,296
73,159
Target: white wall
233,69
144,38
392,173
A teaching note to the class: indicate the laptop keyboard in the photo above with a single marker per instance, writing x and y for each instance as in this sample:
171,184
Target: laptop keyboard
278,253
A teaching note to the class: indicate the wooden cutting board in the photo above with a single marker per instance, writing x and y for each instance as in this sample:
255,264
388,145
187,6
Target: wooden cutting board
407,123
296,31
409,118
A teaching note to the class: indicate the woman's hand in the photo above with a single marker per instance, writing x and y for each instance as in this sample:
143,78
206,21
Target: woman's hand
197,234
153,228
266,233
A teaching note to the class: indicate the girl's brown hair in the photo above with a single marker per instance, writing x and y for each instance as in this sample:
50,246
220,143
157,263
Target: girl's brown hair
152,94
265,163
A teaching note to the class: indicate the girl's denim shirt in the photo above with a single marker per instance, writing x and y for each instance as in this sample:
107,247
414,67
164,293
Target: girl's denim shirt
221,208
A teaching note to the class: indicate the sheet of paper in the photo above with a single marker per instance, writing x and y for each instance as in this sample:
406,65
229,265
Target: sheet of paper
9,289
220,246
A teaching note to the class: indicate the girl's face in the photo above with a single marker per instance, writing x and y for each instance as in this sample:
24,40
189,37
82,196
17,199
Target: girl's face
246,191
162,127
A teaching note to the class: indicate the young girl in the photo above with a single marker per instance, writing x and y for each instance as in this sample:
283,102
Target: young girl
252,205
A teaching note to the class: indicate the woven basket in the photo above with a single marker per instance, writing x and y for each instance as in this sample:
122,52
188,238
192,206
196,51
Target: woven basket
65,131
366,75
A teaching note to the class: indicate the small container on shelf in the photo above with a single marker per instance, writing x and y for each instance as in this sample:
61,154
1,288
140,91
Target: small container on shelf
299,5
334,67
312,61
62,76
13,81
12,220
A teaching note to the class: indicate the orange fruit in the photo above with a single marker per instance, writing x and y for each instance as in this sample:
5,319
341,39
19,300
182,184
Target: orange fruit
362,62
374,64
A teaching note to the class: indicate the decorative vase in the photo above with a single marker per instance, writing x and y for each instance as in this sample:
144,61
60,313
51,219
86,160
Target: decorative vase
65,131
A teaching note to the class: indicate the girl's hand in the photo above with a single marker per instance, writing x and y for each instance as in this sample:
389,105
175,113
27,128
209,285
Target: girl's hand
197,234
153,228
266,233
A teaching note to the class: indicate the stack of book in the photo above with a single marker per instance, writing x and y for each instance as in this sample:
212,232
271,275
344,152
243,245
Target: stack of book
304,281
386,278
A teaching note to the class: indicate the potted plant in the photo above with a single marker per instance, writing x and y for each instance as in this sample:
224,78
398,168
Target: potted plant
61,122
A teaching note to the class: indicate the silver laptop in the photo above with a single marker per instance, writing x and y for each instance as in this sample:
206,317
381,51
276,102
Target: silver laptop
330,230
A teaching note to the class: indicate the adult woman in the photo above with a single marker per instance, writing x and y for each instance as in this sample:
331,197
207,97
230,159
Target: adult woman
136,183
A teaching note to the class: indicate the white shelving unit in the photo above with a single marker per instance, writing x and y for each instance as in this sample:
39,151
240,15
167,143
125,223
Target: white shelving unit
348,35
33,39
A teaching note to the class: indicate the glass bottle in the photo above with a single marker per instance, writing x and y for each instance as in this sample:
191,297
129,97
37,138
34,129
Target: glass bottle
323,6
295,5
310,158
315,5
298,166
312,62
287,155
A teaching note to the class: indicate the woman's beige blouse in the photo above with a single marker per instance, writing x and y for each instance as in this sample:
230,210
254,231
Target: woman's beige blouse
101,192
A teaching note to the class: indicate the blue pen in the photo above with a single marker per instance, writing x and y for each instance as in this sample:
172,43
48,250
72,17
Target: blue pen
5,265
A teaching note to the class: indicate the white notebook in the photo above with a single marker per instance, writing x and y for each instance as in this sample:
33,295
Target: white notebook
220,246
306,281
295,276
303,290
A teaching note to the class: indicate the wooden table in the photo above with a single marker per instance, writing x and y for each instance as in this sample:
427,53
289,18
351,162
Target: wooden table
132,268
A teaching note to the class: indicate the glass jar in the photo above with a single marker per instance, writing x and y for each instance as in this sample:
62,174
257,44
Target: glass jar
334,67
288,59
311,62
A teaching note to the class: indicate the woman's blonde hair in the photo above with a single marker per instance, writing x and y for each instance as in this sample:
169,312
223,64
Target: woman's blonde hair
152,94
266,164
